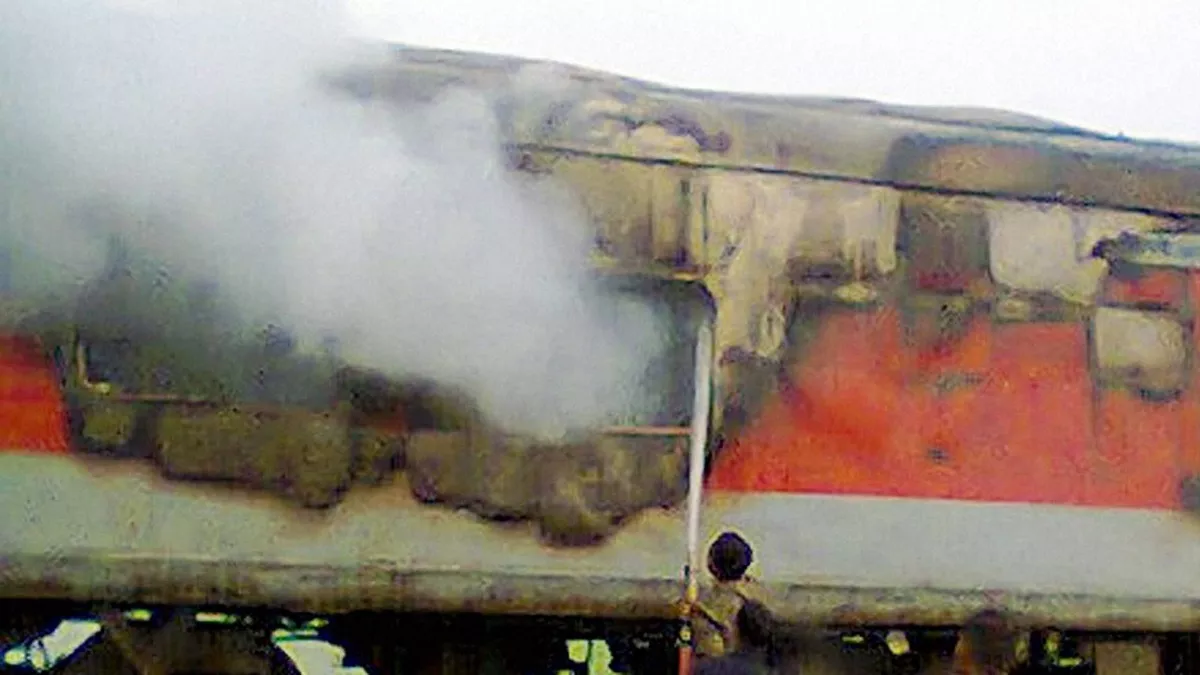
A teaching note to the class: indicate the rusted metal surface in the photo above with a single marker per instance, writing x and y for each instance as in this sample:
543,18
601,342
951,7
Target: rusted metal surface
646,431
336,589
95,531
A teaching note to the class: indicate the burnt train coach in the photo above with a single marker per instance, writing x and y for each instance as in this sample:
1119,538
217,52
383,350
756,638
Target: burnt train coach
952,366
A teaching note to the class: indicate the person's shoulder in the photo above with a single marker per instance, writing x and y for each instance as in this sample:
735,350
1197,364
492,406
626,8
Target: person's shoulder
723,598
751,589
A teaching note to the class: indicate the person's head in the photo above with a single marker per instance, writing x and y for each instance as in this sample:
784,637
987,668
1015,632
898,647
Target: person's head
754,625
989,642
729,557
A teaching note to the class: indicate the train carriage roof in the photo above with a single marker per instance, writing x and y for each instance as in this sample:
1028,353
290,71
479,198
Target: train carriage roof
953,150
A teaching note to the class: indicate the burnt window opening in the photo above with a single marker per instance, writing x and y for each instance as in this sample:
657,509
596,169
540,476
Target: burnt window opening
670,372
104,360
1146,352
668,377
1141,333
944,243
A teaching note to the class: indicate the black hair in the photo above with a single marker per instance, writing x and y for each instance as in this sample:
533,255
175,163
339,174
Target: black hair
729,557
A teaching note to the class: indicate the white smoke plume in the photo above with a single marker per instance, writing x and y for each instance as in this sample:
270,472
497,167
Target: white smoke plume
396,232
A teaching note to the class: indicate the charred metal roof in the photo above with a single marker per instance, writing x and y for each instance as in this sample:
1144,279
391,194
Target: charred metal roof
951,150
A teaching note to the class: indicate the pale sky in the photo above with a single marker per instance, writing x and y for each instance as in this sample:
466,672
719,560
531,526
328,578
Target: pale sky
1113,66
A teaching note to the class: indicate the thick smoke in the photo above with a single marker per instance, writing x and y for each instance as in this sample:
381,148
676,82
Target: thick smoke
202,137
